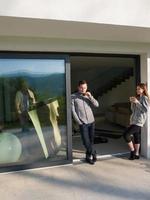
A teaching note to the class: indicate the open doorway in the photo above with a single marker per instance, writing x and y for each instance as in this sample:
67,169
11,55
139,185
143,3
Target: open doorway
111,80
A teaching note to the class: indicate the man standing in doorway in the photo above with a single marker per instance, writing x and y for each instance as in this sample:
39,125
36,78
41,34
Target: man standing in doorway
82,102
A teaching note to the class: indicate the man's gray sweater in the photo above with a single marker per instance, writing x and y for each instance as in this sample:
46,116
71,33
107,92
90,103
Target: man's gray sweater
139,111
82,108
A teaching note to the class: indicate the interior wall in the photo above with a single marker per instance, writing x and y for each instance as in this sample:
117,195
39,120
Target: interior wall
117,95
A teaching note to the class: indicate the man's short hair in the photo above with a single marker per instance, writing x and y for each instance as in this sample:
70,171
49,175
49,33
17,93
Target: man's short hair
82,82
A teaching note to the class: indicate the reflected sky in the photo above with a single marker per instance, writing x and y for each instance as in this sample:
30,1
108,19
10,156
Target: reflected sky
31,66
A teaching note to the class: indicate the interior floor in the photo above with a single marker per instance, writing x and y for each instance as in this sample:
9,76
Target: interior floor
113,146
113,134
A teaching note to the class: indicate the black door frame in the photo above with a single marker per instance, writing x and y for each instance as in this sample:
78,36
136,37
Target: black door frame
66,56
46,55
137,71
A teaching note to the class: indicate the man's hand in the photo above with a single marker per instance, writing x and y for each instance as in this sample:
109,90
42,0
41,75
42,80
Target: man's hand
88,94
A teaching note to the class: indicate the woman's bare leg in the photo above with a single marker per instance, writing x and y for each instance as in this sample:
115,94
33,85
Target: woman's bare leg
137,149
131,146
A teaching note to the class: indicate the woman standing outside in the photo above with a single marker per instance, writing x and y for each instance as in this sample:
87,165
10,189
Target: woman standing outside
139,108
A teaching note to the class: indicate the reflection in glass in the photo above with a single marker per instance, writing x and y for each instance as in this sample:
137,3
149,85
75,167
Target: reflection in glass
32,111
35,120
24,100
10,148
53,114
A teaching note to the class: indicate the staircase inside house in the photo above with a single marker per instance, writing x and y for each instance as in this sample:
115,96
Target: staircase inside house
111,79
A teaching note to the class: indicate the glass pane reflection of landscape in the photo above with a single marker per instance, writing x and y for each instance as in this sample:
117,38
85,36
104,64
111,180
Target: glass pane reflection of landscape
32,111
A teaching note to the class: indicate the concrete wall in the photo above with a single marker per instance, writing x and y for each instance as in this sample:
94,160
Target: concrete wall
145,77
71,45
63,45
124,12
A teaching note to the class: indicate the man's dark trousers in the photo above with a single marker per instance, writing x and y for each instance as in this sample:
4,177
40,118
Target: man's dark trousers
87,134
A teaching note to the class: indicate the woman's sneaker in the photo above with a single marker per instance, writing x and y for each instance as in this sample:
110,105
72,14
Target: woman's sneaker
132,155
137,157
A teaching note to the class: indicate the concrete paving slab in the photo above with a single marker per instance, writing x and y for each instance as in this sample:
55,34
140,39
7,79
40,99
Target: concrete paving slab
111,179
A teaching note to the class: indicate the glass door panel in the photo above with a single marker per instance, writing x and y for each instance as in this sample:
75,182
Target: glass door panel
33,127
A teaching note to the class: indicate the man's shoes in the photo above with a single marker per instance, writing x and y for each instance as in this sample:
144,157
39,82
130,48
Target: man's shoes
89,160
132,155
94,157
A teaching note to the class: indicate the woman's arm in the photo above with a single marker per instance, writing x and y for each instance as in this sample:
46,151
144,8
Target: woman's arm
132,106
144,104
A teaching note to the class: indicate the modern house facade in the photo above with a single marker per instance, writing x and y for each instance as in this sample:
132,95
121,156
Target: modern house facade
45,47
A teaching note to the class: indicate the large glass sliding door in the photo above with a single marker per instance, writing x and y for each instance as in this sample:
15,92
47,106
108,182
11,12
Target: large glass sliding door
33,112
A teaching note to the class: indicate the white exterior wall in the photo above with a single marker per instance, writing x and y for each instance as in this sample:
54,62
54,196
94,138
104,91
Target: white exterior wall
62,45
94,36
145,75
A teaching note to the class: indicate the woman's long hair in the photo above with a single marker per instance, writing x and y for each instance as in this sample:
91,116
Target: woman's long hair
144,87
